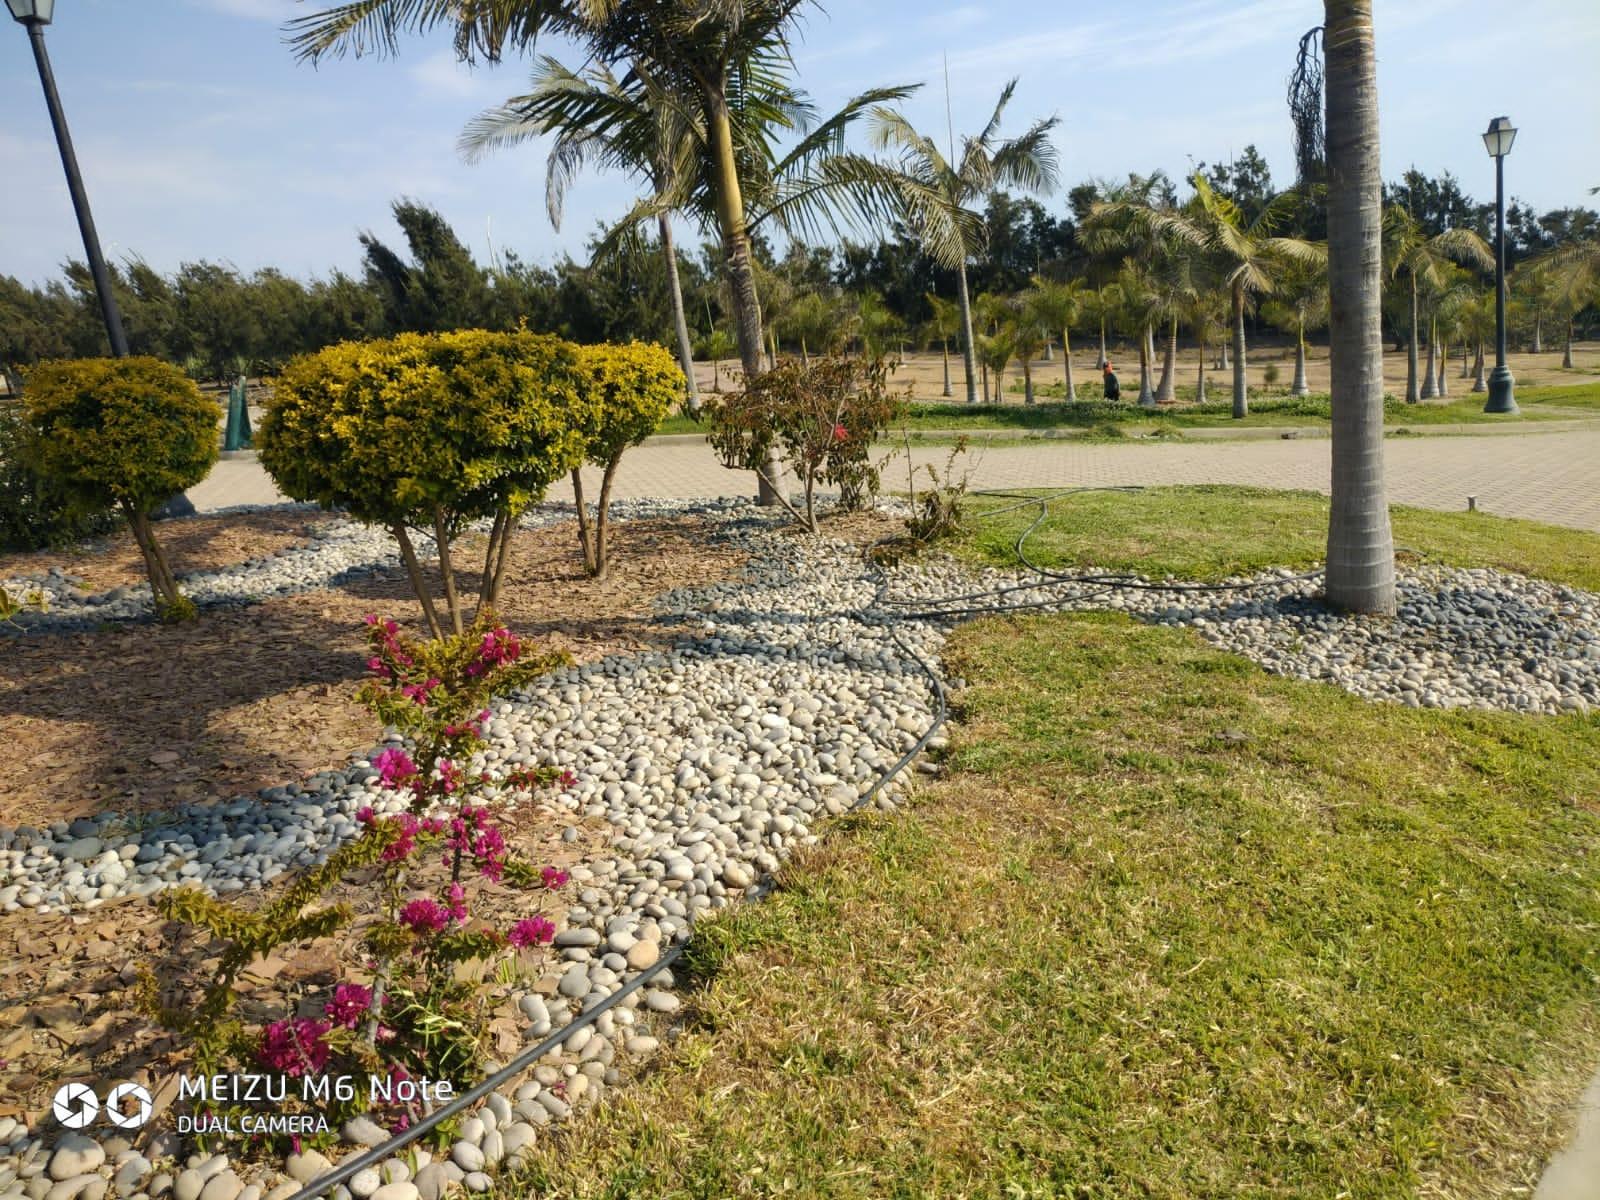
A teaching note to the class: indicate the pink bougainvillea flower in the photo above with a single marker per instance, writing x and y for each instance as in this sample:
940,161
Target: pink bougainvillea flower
531,931
394,767
425,916
349,1004
553,878
458,902
294,1047
371,618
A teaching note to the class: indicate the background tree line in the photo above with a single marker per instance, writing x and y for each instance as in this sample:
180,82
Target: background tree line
217,322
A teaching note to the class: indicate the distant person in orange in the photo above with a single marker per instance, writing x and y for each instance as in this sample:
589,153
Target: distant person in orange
1113,388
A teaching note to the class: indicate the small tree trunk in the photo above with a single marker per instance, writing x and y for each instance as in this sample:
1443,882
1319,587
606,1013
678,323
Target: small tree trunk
586,541
1538,333
1049,353
1301,387
985,367
1566,352
491,558
1066,362
1147,398
1241,391
1100,361
968,346
1466,358
1479,384
602,520
680,322
1411,349
441,537
805,357
1441,386
1027,380
1167,392
946,344
1430,387
163,587
1200,375
419,582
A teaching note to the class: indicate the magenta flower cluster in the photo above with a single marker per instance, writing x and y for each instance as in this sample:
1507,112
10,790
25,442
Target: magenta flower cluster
532,931
499,648
474,836
349,1004
295,1046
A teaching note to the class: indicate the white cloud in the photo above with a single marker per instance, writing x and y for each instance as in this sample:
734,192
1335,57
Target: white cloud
255,10
442,74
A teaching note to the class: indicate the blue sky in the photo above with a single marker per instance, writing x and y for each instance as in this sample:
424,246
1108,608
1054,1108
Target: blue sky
200,136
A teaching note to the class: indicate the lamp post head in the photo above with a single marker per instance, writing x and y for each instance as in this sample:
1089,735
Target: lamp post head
1498,137
32,12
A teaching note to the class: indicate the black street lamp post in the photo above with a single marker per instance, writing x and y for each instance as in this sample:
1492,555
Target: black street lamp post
1498,139
34,16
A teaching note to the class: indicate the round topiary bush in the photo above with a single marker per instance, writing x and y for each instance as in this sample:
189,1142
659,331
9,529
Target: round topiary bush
125,433
34,512
430,431
630,389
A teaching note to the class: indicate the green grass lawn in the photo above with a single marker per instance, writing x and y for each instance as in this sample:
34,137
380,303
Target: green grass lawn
1210,531
1169,928
1095,417
1116,954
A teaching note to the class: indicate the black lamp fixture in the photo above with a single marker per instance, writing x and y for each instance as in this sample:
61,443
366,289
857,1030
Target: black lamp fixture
1497,140
34,15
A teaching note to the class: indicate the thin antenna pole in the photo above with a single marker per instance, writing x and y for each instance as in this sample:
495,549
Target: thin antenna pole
949,118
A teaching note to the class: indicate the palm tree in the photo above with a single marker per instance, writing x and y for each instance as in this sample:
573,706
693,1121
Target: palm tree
1142,304
939,196
1410,249
1301,303
1360,571
1573,271
996,351
1207,315
813,320
602,121
944,324
1251,258
1477,319
1030,334
709,56
874,324
1059,306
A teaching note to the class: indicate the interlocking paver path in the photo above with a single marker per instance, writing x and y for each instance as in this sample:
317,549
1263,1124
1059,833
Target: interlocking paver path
1552,477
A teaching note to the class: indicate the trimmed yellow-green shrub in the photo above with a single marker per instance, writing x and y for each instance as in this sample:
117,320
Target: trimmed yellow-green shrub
430,431
631,389
123,432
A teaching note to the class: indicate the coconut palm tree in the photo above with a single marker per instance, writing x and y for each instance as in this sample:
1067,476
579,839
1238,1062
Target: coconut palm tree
1207,316
1059,305
709,55
939,197
1360,570
1251,257
1409,250
996,351
944,324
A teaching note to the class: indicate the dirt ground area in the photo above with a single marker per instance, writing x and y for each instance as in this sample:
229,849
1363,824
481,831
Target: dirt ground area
141,716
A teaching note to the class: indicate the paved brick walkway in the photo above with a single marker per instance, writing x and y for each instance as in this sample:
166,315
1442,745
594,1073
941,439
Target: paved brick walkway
1552,477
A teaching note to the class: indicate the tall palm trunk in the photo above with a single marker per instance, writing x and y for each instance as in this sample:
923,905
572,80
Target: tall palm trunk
741,271
679,321
1301,387
945,345
1478,383
1466,358
1241,390
968,349
1429,387
1360,573
1566,352
1066,362
1167,391
1441,387
1411,348
1538,333
985,369
1147,398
